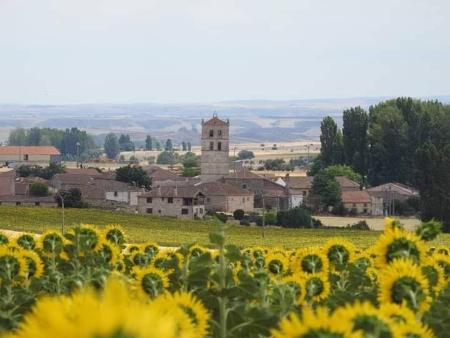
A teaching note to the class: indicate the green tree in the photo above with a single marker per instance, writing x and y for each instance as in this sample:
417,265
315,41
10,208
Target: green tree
295,218
134,175
189,146
245,154
148,143
356,139
331,142
72,198
125,143
17,137
38,189
111,146
343,170
168,146
34,137
183,146
326,188
167,157
190,160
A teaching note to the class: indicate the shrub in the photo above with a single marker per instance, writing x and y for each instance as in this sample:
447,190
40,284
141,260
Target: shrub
271,219
239,214
361,225
38,189
72,198
316,223
244,222
295,218
221,217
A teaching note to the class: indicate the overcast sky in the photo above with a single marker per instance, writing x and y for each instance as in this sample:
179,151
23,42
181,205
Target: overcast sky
124,51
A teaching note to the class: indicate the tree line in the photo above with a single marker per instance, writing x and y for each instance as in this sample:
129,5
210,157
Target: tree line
401,140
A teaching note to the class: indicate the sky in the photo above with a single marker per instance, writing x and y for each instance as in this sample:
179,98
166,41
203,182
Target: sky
180,51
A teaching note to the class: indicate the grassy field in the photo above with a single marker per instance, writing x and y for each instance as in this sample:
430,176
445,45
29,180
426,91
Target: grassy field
172,232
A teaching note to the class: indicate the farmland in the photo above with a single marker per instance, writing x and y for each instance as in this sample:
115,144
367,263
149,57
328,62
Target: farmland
173,232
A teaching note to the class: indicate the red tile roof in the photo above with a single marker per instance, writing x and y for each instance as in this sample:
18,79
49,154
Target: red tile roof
185,191
299,182
29,150
346,183
215,121
355,197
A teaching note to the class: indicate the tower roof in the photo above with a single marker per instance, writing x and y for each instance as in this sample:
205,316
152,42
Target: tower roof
215,121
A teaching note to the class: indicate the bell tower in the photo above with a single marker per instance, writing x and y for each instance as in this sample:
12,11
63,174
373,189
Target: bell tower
215,149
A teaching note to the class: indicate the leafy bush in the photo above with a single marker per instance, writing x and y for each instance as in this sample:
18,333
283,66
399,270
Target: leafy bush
134,175
72,198
167,157
295,218
239,214
244,222
360,225
38,189
221,217
245,155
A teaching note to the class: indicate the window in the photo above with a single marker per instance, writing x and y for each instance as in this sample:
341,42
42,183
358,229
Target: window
201,210
219,132
219,146
149,200
244,186
149,211
170,200
304,193
116,194
365,204
365,211
354,205
211,145
25,157
184,211
211,133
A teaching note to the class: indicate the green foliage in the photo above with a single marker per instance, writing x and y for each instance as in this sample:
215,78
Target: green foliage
245,155
148,143
238,214
167,157
38,189
343,170
356,139
168,146
134,175
221,217
278,164
429,230
112,148
42,172
438,317
190,160
295,218
326,188
72,198
191,172
125,143
331,141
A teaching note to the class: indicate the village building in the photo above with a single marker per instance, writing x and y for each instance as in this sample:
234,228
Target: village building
215,140
227,198
361,203
182,202
393,192
18,155
299,189
7,182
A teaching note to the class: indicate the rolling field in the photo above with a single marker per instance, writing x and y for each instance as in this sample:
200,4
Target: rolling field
173,232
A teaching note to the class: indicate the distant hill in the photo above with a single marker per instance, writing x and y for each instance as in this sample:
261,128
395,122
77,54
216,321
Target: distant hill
251,120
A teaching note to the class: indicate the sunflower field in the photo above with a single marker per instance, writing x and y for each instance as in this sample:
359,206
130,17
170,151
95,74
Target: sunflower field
91,283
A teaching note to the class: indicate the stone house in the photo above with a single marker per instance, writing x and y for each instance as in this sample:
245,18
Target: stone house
268,194
186,202
7,183
19,200
361,203
299,188
29,155
225,197
391,192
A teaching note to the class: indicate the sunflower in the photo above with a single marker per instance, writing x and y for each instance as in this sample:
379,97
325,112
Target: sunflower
51,243
318,323
197,250
150,281
444,262
12,263
435,275
401,314
276,263
403,281
310,260
415,329
397,243
339,252
150,248
392,223
140,259
297,284
88,237
26,241
193,308
168,260
4,239
317,286
367,320
35,266
115,234
109,251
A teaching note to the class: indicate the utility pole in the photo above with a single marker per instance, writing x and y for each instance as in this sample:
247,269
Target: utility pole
62,205
78,155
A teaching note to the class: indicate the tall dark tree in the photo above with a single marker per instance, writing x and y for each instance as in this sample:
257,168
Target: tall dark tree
168,146
125,143
356,139
17,137
34,137
189,146
148,143
134,175
331,142
183,146
111,146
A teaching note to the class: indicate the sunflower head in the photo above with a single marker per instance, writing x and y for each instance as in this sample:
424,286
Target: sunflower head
310,260
317,286
339,252
87,238
35,266
51,243
4,239
276,263
26,241
435,275
150,281
403,282
400,314
12,264
150,249
115,234
444,262
296,285
396,244
109,251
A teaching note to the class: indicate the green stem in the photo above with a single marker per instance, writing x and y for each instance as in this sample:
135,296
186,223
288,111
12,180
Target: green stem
222,299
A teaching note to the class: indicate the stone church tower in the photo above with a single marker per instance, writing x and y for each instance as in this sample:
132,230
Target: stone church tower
215,149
